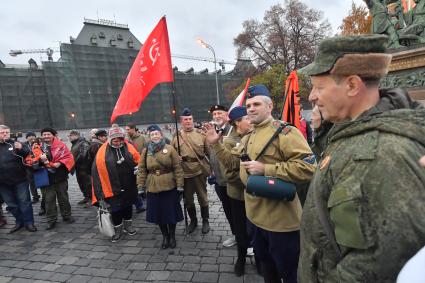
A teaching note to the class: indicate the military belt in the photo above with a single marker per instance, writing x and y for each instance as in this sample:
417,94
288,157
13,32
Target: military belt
190,159
159,172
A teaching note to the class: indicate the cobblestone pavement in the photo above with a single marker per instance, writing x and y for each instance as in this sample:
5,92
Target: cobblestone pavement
78,253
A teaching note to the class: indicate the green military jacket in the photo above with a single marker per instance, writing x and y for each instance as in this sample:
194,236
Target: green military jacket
138,141
288,158
191,166
163,171
369,191
320,138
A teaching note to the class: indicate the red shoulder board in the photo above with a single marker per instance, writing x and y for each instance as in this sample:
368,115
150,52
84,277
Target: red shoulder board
276,124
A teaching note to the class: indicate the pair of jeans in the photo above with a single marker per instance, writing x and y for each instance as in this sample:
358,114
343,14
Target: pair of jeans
18,199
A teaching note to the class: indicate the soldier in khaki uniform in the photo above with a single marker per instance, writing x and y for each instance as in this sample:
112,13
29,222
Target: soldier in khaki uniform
161,175
275,224
193,152
235,188
364,214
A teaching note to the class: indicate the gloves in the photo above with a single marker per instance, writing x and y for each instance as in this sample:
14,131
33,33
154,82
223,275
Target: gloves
136,170
211,180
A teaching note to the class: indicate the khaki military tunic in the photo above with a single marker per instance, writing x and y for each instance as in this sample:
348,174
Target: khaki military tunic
163,171
288,158
191,165
235,187
138,141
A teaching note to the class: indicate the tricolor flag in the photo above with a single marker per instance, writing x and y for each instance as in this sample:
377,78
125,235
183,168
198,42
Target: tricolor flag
408,4
241,97
151,67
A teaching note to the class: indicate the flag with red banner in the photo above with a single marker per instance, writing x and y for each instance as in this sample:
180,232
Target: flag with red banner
241,97
408,4
291,106
151,67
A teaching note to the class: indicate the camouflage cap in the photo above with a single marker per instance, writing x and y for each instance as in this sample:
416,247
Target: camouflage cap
332,49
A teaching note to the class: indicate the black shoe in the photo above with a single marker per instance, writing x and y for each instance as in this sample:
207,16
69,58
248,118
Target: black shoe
69,219
240,266
83,201
205,226
42,212
165,243
51,225
16,228
192,226
140,210
31,228
172,241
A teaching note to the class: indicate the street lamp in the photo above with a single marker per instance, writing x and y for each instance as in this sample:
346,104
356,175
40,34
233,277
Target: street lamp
206,45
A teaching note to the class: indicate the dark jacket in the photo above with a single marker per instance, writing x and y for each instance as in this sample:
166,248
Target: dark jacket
91,154
79,150
12,168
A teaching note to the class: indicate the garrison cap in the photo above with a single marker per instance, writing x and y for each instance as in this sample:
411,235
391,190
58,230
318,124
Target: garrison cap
217,107
256,90
154,127
237,112
186,112
365,53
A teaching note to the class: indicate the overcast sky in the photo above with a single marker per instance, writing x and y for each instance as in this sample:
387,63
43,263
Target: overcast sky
33,24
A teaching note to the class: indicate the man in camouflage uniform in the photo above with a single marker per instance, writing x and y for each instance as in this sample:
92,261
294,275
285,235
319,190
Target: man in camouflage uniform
363,218
274,224
193,151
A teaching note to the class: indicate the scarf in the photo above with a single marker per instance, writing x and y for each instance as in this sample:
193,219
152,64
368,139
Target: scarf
155,147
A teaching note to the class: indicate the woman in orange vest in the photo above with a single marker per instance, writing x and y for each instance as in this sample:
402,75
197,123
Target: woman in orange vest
114,180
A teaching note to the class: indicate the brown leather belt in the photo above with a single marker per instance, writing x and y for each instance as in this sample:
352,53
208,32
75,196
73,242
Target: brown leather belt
159,172
191,159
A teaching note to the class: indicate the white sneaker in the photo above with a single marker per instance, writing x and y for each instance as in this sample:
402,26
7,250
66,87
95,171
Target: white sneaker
250,251
230,242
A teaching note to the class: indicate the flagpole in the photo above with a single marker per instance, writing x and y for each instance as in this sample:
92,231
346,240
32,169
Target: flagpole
174,112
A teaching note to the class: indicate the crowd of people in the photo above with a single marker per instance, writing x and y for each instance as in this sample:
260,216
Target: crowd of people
360,220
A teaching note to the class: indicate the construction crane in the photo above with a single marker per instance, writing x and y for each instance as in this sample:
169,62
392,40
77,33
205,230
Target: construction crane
47,51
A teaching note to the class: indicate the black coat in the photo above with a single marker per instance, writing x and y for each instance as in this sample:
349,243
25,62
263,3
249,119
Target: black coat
12,168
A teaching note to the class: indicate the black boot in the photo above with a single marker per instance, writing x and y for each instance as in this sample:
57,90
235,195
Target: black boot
172,235
193,220
165,241
240,262
42,207
270,274
205,215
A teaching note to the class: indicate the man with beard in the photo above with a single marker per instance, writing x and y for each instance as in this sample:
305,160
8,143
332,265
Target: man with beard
219,119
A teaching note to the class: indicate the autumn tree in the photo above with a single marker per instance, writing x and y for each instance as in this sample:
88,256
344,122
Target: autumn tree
288,35
357,22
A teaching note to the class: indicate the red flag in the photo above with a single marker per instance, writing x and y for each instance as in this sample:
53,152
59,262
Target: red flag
291,107
151,67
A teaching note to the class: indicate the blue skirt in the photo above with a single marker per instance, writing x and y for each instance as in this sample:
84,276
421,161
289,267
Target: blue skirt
163,207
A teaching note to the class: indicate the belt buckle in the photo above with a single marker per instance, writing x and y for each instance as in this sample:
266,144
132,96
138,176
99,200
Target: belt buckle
157,172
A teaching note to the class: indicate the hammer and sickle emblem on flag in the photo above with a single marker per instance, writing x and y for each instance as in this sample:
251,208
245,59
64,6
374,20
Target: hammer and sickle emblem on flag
154,51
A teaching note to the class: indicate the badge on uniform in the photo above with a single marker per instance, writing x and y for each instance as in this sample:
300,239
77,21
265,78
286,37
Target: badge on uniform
164,151
325,161
310,159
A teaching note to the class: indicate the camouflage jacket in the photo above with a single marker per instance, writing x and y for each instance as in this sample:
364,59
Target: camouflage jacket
369,190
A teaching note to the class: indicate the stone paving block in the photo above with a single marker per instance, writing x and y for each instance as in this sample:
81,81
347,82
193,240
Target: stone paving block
158,275
43,275
137,266
11,271
191,259
155,266
208,259
21,280
126,257
253,278
227,259
205,277
79,279
174,266
209,267
96,255
101,272
100,249
120,274
57,277
50,267
191,267
68,260
139,275
26,273
231,278
67,269
226,268
182,276
4,279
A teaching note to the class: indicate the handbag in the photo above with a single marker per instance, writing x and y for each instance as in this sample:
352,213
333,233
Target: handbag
104,218
270,187
41,178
